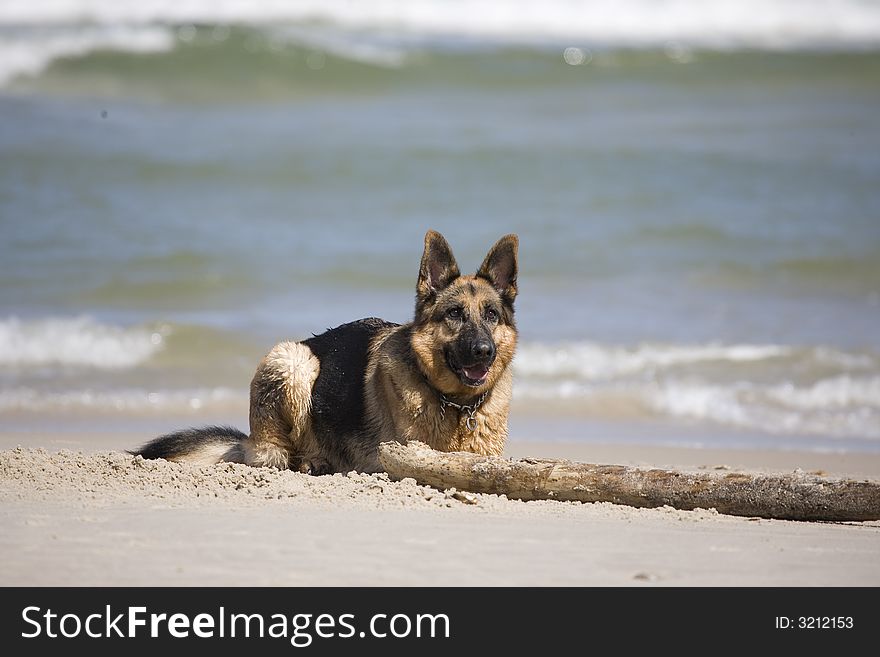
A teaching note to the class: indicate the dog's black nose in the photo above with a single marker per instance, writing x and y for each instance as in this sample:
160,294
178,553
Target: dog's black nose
482,350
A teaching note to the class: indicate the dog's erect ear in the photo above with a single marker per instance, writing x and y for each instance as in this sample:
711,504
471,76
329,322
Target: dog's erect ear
438,268
500,266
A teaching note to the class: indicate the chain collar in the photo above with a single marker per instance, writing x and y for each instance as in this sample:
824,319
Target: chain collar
470,409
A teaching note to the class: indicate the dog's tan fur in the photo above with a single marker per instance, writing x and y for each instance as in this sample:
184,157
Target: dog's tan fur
281,392
402,405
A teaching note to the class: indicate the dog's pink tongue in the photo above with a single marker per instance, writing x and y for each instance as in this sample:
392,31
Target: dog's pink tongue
476,373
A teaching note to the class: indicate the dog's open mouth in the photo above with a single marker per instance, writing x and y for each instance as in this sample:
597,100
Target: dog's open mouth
471,375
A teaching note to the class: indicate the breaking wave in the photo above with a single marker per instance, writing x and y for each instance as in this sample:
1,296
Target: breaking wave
77,342
78,364
388,32
771,388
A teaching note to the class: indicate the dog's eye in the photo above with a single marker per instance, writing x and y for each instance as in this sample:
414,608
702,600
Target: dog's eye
491,315
455,313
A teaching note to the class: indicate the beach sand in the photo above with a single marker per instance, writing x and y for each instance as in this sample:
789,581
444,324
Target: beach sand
77,511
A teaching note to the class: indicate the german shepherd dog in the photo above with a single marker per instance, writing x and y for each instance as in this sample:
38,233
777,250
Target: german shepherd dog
323,405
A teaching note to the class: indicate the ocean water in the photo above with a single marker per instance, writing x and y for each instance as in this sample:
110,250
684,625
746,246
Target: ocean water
696,187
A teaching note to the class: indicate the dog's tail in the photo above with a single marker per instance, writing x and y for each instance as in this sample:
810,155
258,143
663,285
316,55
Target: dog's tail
204,446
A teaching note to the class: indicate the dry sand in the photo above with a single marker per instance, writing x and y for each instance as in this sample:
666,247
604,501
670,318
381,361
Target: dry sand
93,515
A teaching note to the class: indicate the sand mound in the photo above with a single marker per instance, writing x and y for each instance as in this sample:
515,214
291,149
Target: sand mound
103,477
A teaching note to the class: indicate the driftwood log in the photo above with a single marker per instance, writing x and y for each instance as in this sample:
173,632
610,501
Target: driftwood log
792,496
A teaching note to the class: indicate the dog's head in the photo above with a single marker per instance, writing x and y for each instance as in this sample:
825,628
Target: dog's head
464,334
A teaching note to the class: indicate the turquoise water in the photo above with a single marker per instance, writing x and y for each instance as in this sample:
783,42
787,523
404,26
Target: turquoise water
699,222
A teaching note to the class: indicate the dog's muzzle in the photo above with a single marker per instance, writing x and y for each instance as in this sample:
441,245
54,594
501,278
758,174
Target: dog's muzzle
472,366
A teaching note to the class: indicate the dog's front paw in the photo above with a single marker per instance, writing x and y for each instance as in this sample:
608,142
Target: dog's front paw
315,466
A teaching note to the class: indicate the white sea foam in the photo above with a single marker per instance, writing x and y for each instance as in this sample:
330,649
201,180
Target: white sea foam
76,341
634,22
770,388
30,51
32,34
837,393
126,400
833,407
592,361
